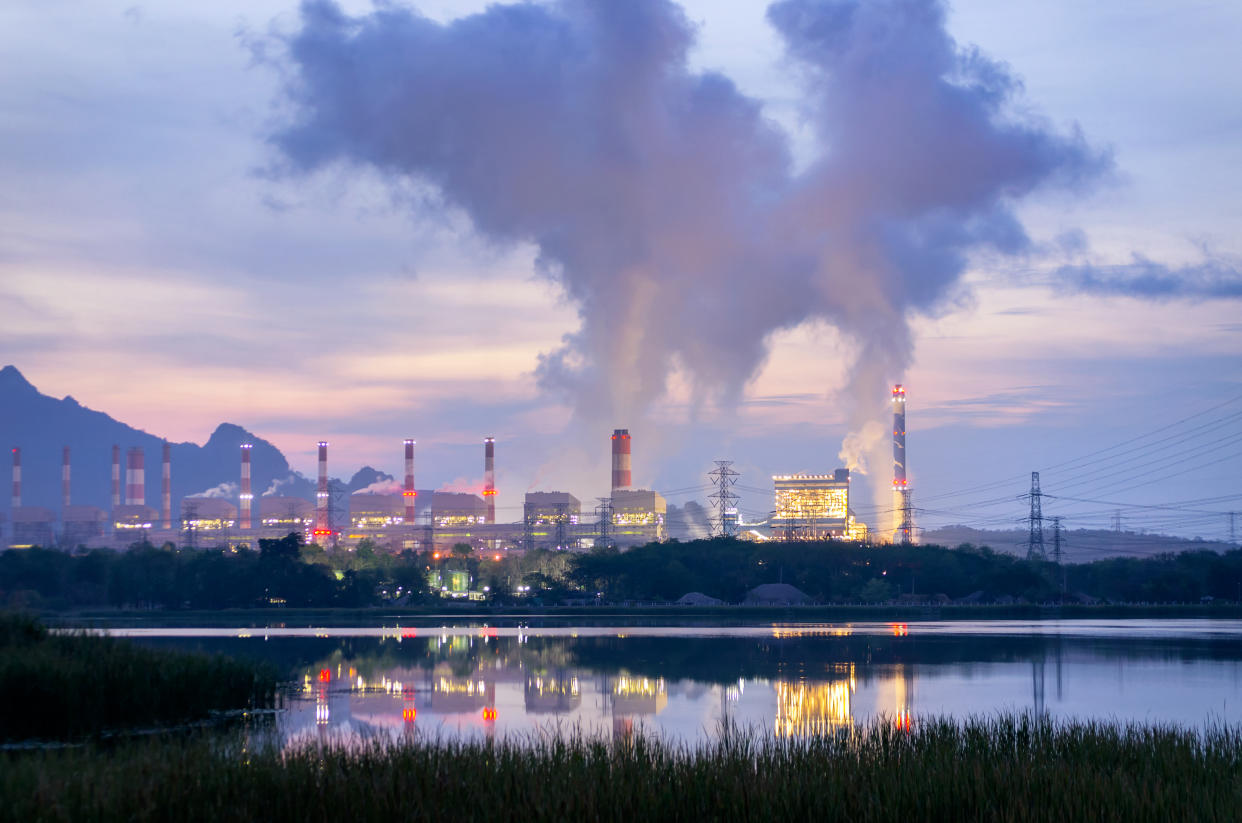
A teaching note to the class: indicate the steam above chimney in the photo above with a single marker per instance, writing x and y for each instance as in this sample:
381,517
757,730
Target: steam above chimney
489,477
620,459
135,478
246,496
409,492
166,487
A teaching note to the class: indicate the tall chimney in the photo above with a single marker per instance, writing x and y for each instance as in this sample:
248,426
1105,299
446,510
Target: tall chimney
64,479
489,477
903,529
166,487
116,476
620,459
322,526
17,477
409,493
246,496
135,478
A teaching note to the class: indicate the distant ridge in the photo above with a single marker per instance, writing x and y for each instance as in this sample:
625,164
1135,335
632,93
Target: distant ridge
43,425
1079,545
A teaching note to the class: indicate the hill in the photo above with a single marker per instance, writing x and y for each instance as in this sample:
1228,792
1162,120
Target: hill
43,425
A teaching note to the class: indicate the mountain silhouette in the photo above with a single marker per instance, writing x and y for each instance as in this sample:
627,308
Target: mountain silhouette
41,426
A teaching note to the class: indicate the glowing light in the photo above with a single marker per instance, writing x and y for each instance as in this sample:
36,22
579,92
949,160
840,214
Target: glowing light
489,714
325,675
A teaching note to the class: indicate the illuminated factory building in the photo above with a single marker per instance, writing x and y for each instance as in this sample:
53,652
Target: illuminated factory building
638,515
210,515
815,506
552,519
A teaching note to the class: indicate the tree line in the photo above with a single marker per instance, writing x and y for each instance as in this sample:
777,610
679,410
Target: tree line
286,573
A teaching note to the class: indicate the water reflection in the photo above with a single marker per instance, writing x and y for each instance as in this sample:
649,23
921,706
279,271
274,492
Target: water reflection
477,682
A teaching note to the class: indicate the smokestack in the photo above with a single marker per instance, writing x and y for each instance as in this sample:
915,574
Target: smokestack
166,487
903,529
135,478
64,479
17,477
322,526
620,459
409,493
246,496
489,477
116,476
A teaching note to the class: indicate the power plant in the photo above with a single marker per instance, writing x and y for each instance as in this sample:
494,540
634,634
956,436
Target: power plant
806,506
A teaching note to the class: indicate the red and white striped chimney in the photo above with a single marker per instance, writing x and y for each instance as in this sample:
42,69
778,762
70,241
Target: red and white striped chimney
322,526
17,477
489,477
135,478
409,492
64,479
246,496
620,459
116,476
166,487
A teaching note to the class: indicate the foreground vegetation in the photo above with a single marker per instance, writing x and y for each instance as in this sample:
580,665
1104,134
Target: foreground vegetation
66,687
287,574
1015,769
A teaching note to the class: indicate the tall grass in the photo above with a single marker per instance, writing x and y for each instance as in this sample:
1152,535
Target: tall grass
1009,769
65,687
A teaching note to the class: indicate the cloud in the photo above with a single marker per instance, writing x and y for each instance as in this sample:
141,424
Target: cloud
1214,278
662,200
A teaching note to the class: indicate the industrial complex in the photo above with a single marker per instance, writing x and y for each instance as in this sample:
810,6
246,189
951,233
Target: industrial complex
805,507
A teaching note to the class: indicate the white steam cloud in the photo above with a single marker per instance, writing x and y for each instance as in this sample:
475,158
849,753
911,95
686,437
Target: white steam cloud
227,491
664,201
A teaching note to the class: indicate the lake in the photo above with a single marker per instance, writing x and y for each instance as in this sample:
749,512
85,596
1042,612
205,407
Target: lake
468,679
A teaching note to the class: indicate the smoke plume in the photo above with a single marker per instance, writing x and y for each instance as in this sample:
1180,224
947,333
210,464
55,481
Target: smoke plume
663,200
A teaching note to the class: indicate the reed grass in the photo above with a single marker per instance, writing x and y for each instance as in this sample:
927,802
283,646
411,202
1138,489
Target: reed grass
70,686
1019,768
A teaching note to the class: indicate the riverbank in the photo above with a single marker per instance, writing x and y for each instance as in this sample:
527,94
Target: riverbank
1019,768
72,686
714,615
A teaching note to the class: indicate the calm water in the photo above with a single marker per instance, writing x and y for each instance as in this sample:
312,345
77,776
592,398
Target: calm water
472,680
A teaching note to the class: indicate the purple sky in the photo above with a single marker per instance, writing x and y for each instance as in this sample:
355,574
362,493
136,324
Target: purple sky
154,266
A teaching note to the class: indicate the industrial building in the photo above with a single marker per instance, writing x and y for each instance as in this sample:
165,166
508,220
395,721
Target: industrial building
814,507
208,521
552,520
638,516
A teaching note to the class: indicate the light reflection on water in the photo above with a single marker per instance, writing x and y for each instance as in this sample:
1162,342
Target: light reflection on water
683,682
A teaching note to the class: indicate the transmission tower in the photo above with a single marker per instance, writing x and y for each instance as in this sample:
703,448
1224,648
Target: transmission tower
1233,540
1035,541
528,526
562,517
723,478
604,514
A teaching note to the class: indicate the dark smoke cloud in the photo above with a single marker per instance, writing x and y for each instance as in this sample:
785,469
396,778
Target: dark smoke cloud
1143,278
662,199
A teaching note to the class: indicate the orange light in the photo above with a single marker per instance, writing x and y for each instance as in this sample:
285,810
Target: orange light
435,556
496,557
410,494
487,492
489,714
408,715
324,675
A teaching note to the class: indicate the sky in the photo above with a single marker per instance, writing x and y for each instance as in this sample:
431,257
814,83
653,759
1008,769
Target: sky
201,220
